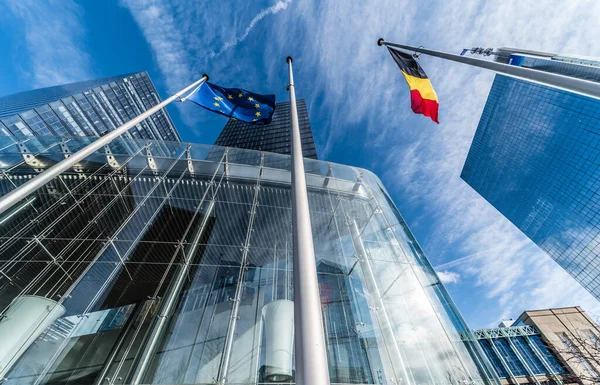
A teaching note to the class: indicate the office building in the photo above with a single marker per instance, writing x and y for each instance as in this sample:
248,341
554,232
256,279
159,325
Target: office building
520,356
550,346
536,158
573,336
272,137
131,268
88,108
568,65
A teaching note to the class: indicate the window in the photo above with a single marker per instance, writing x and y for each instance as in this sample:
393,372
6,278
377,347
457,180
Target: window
555,365
17,126
510,357
35,123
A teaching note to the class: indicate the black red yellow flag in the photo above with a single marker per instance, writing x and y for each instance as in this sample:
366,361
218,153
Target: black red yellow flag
423,99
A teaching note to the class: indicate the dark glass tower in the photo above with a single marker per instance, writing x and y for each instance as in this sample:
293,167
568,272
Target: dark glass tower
273,137
88,108
536,158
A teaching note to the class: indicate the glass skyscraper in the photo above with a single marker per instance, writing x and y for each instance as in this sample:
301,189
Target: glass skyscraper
127,269
578,67
536,158
273,137
88,108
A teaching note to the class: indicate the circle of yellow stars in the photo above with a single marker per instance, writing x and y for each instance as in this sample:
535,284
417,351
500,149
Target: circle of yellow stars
240,95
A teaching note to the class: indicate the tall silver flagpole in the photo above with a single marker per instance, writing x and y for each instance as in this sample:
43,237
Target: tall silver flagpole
567,83
309,337
8,200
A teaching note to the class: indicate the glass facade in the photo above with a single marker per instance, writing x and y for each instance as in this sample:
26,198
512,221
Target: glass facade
535,157
578,67
128,268
273,137
89,108
519,351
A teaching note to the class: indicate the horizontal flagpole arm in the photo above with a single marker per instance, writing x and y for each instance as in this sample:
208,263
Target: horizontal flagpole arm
16,195
567,83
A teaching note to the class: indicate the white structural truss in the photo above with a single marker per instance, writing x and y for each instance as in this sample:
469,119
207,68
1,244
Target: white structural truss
513,331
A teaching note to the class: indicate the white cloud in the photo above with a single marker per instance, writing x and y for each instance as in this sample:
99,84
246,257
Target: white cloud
354,90
54,37
272,10
448,277
421,162
183,36
158,23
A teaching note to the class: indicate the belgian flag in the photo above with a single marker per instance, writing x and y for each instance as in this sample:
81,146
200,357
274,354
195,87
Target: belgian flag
423,99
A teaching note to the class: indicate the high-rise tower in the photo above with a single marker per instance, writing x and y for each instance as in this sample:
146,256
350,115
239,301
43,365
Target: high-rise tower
536,158
273,137
87,108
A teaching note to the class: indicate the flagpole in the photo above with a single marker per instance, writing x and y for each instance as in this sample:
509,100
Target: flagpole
16,195
309,337
567,83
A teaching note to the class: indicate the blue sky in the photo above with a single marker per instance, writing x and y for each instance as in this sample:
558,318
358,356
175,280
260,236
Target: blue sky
359,104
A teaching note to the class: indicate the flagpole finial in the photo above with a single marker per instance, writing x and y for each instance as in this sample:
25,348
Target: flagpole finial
205,75
289,59
380,41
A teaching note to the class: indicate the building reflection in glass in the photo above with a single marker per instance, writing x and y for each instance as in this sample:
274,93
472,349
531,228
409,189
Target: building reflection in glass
175,268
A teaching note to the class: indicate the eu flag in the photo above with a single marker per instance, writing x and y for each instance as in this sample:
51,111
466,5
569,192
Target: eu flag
235,103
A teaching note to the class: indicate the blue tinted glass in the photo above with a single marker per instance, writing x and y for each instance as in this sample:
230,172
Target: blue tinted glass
509,356
533,362
549,357
536,158
89,108
491,355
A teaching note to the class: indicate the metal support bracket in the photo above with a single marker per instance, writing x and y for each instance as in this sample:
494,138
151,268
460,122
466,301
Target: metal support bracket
30,158
65,149
190,164
67,153
151,162
110,159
